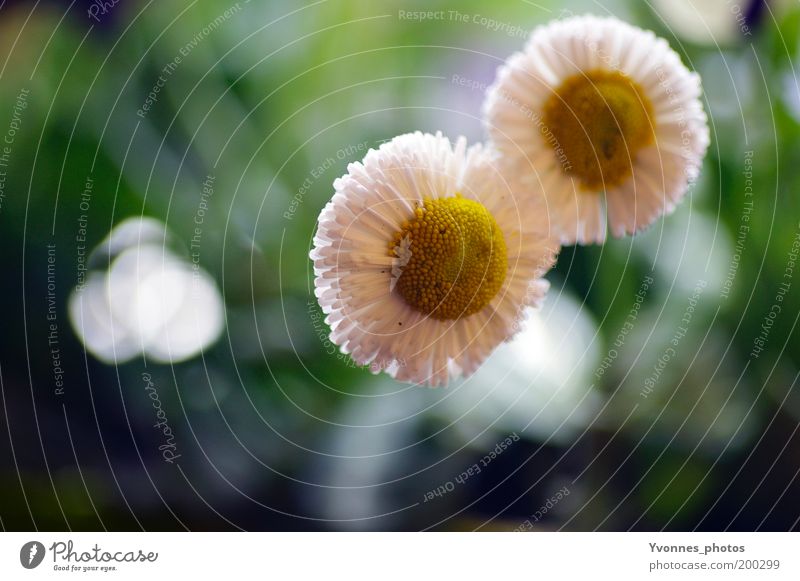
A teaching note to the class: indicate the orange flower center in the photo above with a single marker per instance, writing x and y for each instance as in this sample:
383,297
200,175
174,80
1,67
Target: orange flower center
452,258
599,121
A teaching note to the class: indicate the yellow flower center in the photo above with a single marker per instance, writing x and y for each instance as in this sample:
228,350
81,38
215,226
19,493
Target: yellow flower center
598,121
451,258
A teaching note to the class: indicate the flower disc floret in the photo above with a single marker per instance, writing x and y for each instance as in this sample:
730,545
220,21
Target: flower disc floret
454,256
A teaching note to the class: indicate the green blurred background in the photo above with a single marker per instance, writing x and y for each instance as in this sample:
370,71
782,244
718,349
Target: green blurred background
275,431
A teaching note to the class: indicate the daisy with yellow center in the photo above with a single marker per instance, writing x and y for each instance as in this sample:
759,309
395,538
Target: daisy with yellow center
604,119
425,261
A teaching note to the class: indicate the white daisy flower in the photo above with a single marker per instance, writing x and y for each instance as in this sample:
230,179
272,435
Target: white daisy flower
595,106
425,261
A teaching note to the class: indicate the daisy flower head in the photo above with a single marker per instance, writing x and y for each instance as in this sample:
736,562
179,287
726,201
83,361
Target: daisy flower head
604,119
425,260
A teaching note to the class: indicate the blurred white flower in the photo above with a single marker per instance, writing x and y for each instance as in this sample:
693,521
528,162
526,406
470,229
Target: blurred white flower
685,396
368,471
705,21
150,301
791,93
133,232
689,248
539,384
